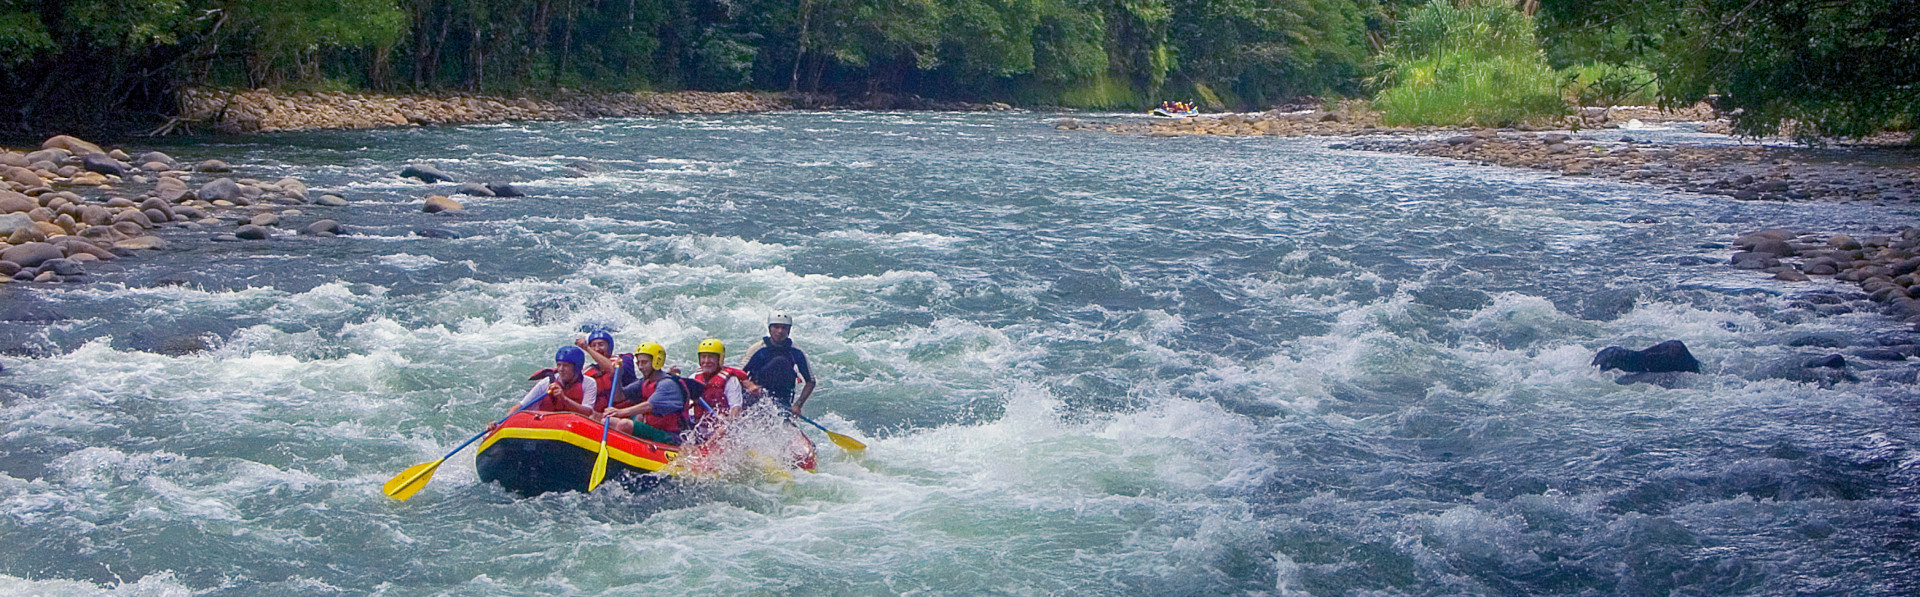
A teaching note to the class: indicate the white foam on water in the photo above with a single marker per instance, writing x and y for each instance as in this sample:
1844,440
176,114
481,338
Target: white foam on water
160,584
911,239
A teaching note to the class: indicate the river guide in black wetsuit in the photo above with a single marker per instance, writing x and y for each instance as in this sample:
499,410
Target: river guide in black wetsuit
774,363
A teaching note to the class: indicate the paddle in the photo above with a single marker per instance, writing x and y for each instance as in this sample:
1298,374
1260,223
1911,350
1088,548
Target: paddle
410,481
846,443
600,463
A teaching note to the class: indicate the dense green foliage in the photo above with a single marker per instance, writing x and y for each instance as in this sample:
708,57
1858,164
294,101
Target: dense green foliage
1834,68
1480,63
1110,53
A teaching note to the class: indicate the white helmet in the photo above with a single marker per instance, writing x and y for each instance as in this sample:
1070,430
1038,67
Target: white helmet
780,318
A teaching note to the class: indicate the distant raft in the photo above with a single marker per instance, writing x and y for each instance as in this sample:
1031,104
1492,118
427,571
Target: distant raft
538,452
1164,113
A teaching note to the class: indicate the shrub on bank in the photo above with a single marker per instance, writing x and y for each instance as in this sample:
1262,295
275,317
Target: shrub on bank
1477,64
1605,84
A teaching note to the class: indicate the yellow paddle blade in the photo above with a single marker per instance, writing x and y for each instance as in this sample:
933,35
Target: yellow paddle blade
410,481
846,443
599,468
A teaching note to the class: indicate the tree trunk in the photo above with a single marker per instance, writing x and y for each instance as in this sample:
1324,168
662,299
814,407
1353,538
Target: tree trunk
800,44
566,46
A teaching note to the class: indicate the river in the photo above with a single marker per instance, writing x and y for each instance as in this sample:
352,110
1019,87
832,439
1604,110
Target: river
1086,364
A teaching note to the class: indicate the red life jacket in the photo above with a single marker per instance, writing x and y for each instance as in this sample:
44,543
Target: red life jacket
716,393
668,423
603,382
552,404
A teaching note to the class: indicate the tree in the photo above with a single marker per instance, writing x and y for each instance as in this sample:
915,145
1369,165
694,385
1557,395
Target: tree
1832,69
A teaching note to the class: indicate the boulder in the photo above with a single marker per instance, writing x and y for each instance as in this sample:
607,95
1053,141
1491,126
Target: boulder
224,189
440,203
11,202
426,173
157,216
155,156
94,215
1671,355
14,158
14,221
474,189
436,233
64,267
501,189
266,219
252,232
99,162
293,188
48,159
134,216
27,178
9,268
76,146
215,166
331,201
31,254
323,228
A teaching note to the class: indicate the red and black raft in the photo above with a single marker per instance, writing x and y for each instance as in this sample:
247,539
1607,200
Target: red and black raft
531,453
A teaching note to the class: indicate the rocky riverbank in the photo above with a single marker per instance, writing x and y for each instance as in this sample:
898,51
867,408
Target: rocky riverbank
256,111
71,204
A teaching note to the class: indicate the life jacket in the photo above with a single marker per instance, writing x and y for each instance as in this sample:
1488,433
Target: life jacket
675,421
715,393
552,404
603,381
777,375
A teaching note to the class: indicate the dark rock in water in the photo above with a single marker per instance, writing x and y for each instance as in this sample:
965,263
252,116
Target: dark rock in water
501,189
436,233
1819,340
224,188
441,203
154,156
252,232
474,189
1832,361
1752,260
181,345
224,238
323,227
426,173
584,166
213,166
63,267
99,162
1671,355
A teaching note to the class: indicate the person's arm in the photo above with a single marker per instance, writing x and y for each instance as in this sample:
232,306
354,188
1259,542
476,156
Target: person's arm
668,397
605,364
751,367
539,389
806,374
735,395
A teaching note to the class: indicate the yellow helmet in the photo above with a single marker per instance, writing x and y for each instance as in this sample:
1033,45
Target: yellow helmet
659,354
714,346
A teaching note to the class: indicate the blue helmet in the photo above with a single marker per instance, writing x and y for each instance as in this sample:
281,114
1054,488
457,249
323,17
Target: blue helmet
571,354
601,334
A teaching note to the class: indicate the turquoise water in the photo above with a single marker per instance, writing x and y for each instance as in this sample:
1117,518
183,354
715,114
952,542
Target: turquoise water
1085,364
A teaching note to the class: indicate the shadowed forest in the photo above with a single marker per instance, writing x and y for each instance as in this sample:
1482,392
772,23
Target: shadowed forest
1837,68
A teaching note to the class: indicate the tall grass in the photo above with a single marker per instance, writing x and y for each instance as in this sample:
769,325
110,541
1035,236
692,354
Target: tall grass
1478,64
1605,84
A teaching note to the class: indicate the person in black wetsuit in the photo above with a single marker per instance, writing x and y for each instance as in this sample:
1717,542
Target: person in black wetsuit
774,364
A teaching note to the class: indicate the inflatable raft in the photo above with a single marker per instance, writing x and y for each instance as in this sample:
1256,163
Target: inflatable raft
1163,113
537,452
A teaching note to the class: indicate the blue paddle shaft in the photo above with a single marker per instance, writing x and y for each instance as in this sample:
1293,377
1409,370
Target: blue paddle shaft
476,437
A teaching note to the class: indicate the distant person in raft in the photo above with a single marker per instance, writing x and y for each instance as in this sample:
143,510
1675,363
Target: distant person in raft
562,388
599,347
726,387
774,363
656,401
